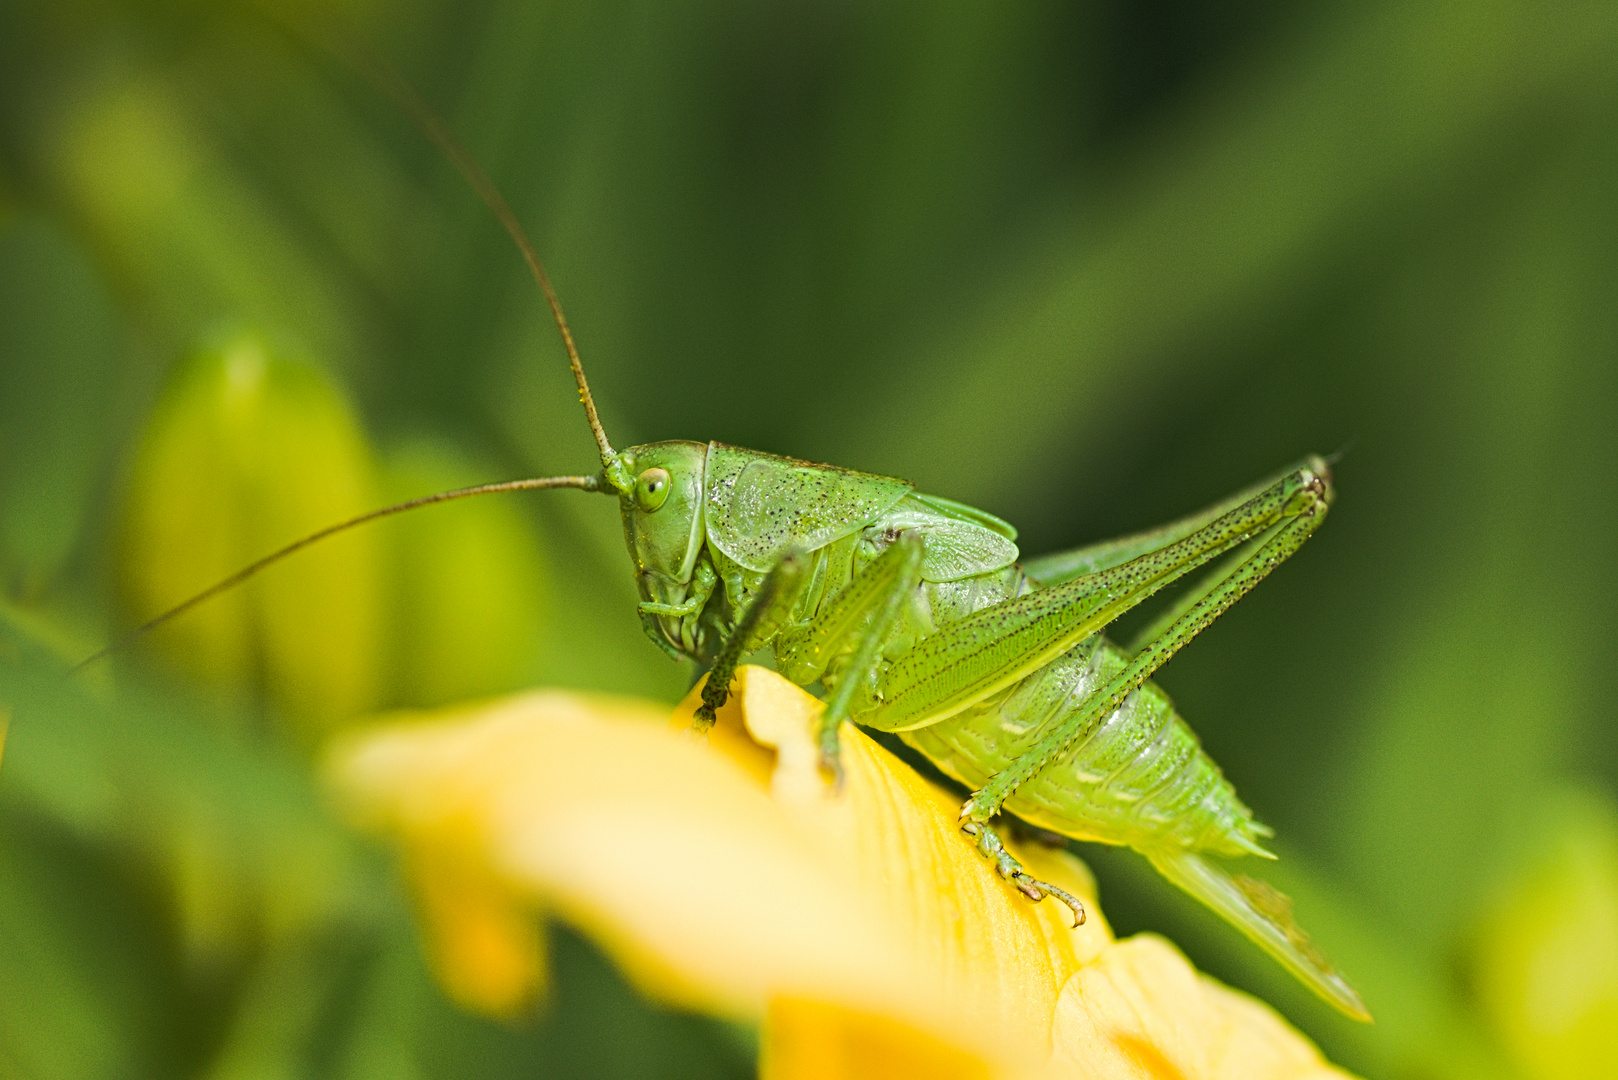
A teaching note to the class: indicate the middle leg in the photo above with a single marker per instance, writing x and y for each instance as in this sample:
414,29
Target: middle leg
863,614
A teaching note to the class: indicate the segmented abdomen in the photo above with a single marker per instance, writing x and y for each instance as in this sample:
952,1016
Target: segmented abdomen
1141,778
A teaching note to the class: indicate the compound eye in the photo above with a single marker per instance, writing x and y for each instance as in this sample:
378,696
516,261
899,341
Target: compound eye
652,489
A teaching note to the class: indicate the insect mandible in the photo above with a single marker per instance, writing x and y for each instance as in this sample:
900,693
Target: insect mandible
918,616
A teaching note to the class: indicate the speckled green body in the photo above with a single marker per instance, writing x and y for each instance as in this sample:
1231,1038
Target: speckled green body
1141,779
916,616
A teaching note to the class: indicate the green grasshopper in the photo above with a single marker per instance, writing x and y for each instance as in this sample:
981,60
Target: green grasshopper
915,614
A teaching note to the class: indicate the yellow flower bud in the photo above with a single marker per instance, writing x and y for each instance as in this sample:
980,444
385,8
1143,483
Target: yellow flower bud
1547,964
244,453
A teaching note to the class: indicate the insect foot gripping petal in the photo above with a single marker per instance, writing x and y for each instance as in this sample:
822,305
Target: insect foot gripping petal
1012,870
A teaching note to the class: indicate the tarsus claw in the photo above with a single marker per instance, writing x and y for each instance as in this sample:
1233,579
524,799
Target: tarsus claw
1073,903
1038,890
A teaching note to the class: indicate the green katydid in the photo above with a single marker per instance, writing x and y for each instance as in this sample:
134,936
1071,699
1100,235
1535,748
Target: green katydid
915,614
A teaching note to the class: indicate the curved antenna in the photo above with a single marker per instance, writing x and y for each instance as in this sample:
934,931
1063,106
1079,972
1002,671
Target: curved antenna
390,82
583,483
385,78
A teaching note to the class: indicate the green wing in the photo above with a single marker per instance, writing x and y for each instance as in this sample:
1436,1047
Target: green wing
1265,916
963,512
759,504
962,541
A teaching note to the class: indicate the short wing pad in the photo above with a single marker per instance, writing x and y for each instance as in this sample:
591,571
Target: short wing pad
961,541
759,504
969,513
1263,914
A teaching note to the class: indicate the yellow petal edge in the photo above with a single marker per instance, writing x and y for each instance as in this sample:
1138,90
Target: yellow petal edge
859,927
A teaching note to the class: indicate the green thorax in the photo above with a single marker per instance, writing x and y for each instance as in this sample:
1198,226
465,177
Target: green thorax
727,514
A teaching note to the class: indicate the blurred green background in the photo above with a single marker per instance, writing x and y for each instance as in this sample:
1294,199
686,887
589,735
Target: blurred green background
1086,265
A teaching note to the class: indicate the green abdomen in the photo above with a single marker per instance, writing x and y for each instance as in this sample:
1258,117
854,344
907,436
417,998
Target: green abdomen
1141,778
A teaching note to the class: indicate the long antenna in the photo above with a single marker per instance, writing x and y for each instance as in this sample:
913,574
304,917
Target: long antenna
583,483
388,80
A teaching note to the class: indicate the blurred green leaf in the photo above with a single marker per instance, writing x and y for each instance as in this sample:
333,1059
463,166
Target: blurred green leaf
57,374
1221,215
468,585
154,855
194,242
152,773
67,1025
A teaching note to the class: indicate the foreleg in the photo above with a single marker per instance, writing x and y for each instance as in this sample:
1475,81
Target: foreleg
774,598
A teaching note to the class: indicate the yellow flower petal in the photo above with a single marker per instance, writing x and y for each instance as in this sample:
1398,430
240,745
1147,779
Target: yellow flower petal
685,871
998,961
482,937
1141,1010
861,926
807,1040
